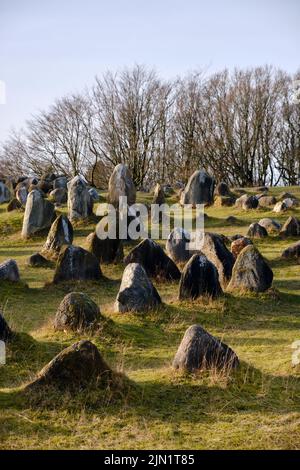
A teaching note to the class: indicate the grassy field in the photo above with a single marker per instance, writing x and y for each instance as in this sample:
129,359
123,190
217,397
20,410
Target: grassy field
257,407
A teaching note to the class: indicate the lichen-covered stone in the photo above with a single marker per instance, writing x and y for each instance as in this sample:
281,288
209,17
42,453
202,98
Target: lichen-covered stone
77,312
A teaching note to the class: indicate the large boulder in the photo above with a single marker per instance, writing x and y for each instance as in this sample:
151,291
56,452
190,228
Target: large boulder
60,234
154,260
280,206
77,366
270,225
292,251
246,202
291,228
136,292
222,189
39,214
59,195
199,189
238,245
176,245
5,331
60,182
251,272
121,184
76,264
5,194
199,350
80,204
266,201
199,278
256,231
77,312
106,251
216,251
9,271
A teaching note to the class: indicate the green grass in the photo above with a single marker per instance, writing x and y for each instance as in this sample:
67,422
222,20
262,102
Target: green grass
257,406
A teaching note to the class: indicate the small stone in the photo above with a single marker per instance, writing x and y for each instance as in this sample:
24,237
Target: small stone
256,231
38,261
9,271
77,312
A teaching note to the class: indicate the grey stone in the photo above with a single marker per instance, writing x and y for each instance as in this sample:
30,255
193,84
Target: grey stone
76,264
59,196
199,278
199,350
137,292
9,271
60,182
291,228
21,195
94,194
251,272
5,194
292,251
199,189
39,214
266,201
215,250
60,234
80,204
38,261
121,184
107,250
270,225
176,245
256,231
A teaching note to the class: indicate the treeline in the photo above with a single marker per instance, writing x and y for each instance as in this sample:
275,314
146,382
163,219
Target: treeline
242,127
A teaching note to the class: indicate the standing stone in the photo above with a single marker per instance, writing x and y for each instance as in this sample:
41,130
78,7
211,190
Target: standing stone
121,184
256,231
215,250
158,195
77,366
176,245
94,194
222,189
59,195
199,350
199,278
9,271
39,214
80,204
21,195
292,251
251,272
238,245
154,260
270,225
76,264
77,312
291,228
5,194
199,189
60,234
137,292
107,250
5,331
60,182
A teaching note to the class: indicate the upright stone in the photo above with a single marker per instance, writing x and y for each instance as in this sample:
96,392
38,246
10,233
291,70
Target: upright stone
39,214
80,204
256,230
5,194
60,234
137,292
121,184
251,272
215,250
199,278
291,228
158,195
177,245
76,264
199,350
199,189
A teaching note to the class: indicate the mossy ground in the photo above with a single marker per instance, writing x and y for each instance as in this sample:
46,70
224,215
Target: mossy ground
256,407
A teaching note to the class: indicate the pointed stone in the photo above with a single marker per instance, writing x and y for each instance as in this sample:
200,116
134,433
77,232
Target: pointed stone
199,278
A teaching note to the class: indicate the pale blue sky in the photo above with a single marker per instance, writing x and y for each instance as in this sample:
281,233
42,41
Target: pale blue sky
49,47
